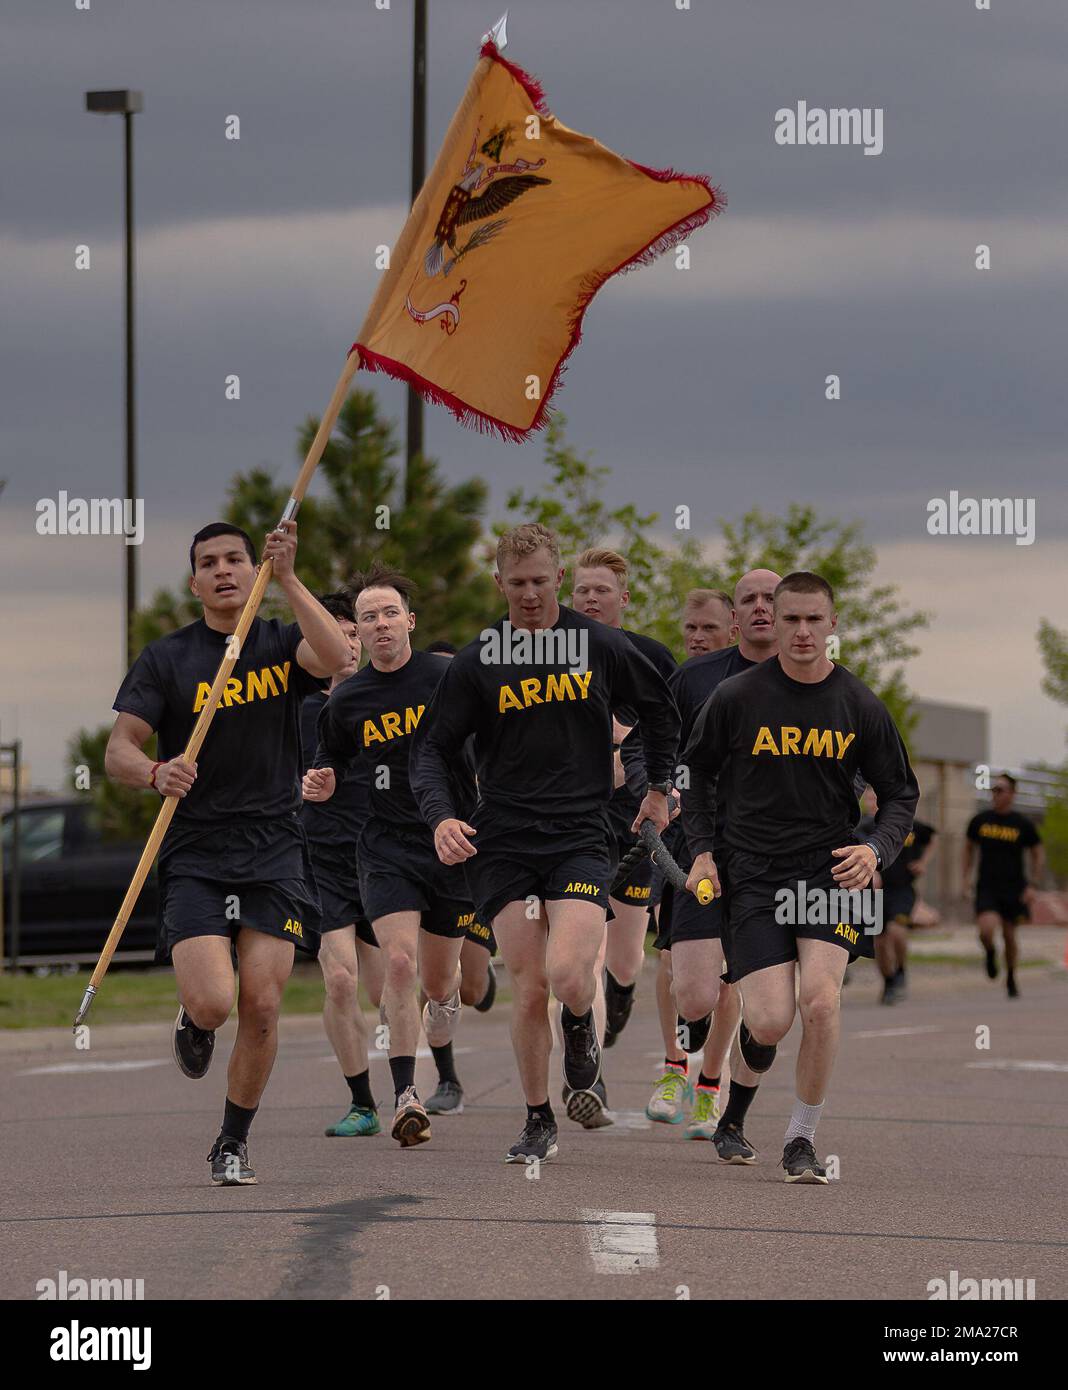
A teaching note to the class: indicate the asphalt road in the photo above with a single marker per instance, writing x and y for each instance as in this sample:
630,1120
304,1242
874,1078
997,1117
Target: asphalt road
951,1157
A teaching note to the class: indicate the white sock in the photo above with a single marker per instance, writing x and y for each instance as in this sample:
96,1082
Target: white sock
803,1121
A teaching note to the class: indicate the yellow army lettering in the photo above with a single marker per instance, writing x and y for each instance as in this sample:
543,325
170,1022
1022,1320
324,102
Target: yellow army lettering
999,832
583,888
569,685
850,933
819,743
257,685
292,925
465,919
639,894
391,725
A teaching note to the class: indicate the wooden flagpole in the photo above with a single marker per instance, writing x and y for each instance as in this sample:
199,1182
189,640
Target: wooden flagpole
207,714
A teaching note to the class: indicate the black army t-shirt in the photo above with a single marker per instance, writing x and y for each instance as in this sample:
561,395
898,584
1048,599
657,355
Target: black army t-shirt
239,821
334,824
1002,839
623,806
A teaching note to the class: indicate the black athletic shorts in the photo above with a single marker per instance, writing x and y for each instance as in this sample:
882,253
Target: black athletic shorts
400,872
1007,903
480,935
549,860
644,884
191,906
898,904
338,882
683,918
753,938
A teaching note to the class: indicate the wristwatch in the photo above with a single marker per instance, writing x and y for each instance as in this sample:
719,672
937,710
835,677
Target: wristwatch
664,788
878,856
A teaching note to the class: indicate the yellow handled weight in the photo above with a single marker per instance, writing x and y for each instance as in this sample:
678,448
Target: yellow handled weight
705,891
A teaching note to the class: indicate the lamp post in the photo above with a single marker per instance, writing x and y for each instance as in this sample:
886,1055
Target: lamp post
126,104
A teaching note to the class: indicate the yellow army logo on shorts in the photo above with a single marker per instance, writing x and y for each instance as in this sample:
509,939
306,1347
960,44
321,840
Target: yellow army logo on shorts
583,888
391,725
850,933
818,742
568,685
638,894
465,919
292,925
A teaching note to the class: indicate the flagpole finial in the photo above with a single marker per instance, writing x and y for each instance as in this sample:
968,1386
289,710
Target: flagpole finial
498,35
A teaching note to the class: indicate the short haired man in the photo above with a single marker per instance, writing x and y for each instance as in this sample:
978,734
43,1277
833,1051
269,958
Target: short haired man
707,621
785,741
600,591
233,872
348,951
538,690
1000,837
417,907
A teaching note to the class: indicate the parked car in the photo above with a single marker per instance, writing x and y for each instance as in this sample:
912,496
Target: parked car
73,880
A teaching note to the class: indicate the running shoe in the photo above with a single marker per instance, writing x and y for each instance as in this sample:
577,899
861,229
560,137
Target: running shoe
732,1146
1011,986
618,1005
439,1020
193,1046
901,988
991,962
800,1161
588,1108
486,1002
890,992
692,1036
448,1099
360,1120
537,1143
229,1163
671,1094
410,1122
705,1114
582,1053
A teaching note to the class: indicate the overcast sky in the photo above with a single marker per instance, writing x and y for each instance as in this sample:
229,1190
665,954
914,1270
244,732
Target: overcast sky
703,387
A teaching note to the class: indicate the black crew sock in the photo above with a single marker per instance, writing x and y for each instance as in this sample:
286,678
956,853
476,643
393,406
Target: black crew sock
237,1120
360,1086
403,1069
544,1111
683,1066
611,983
899,975
570,1020
443,1062
738,1103
710,1083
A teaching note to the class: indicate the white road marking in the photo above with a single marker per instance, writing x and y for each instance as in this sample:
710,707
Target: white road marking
898,1032
65,1068
375,1054
622,1242
1019,1066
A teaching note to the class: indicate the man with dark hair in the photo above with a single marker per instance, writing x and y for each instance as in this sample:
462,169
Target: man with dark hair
348,953
600,591
537,689
782,745
1000,836
233,865
417,907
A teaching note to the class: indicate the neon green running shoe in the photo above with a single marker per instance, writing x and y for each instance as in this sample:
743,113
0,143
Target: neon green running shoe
705,1115
359,1120
671,1094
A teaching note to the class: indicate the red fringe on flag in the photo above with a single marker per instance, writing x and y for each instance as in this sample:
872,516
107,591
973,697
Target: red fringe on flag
671,236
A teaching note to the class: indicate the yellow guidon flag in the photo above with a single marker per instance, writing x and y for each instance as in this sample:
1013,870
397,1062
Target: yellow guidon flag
519,224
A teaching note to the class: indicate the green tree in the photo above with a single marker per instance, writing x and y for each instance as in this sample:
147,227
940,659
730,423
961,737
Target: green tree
874,626
1053,646
357,514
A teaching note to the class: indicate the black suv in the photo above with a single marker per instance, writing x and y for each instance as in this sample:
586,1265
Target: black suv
73,882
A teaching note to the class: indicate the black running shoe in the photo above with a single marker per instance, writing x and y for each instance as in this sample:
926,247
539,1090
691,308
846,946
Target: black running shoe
486,1002
732,1146
1011,986
890,993
692,1036
801,1164
901,988
618,1004
582,1054
537,1143
193,1046
991,963
588,1108
229,1163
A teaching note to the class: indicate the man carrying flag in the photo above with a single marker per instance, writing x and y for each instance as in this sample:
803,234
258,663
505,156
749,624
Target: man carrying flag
233,870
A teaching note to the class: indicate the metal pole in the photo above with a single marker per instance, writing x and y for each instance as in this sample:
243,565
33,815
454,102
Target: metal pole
16,836
131,417
415,401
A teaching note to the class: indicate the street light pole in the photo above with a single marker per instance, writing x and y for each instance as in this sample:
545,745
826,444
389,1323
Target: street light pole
415,401
127,104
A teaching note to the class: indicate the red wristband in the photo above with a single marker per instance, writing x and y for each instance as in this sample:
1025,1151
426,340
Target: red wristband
152,774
